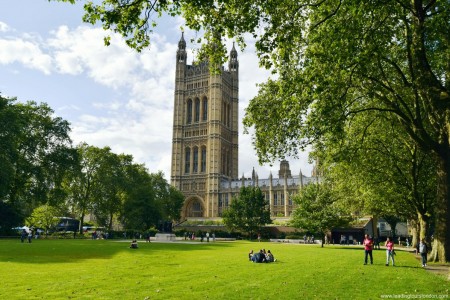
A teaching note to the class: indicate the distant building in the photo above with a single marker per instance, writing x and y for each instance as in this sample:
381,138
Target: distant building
205,143
278,191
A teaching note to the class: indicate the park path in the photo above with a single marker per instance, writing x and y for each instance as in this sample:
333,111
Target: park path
443,270
438,269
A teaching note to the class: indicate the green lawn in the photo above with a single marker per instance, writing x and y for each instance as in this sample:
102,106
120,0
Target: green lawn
87,269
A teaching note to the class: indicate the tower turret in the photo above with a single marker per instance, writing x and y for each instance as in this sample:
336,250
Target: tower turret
181,52
233,64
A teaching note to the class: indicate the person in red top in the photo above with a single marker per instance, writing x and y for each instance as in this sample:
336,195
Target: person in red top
389,251
368,246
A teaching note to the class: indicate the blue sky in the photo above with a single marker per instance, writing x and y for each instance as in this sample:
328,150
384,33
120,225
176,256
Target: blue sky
112,96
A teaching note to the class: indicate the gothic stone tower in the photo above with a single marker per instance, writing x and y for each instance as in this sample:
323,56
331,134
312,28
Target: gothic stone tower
205,132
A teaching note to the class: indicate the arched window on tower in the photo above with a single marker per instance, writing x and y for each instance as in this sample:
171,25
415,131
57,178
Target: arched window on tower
197,209
203,159
205,109
187,161
189,112
197,110
195,163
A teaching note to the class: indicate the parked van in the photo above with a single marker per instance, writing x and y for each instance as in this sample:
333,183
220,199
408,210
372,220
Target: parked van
90,229
67,224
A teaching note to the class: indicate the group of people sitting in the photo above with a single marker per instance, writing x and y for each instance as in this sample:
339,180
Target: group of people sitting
134,244
261,256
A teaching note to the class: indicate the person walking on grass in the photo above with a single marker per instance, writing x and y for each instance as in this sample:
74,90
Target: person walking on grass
389,251
423,250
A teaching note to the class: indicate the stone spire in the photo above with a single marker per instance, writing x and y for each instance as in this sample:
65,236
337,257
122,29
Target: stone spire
181,52
233,63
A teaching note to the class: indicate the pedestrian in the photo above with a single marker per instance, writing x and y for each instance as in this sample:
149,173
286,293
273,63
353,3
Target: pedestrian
214,237
423,250
30,236
368,246
389,251
377,243
23,235
259,237
207,237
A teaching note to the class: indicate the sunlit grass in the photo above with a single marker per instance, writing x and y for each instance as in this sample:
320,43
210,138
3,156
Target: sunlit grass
87,269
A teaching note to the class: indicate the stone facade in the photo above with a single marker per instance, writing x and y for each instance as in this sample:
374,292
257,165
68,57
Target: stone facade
205,142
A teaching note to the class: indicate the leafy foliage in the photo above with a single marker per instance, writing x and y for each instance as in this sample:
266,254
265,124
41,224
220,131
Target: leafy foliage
44,217
34,155
42,176
248,212
317,211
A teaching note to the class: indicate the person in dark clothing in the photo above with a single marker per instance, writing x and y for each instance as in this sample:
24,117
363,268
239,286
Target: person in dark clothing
23,235
134,244
423,250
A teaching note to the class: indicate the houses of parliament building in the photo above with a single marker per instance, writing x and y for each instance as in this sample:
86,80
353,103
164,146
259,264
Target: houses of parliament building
205,143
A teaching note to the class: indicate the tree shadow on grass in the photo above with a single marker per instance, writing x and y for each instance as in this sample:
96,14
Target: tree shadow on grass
70,251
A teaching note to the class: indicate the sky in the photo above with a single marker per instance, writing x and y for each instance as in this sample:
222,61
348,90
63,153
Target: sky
112,96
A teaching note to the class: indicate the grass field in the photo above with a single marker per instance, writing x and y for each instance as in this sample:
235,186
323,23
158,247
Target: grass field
88,269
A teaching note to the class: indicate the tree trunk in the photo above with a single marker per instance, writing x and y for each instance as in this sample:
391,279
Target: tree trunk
81,223
423,226
441,243
415,229
111,215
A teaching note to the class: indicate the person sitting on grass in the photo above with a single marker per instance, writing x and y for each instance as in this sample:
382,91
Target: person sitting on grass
269,256
250,254
259,257
134,244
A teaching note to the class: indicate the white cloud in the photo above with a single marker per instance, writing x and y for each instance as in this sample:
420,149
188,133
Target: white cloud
25,52
4,27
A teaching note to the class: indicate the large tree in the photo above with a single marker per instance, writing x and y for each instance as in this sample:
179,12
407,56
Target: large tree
334,59
82,184
35,153
111,186
248,212
141,209
379,170
360,56
317,211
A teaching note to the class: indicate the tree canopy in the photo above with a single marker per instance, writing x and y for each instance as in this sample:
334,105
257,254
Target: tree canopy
42,176
248,212
317,211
